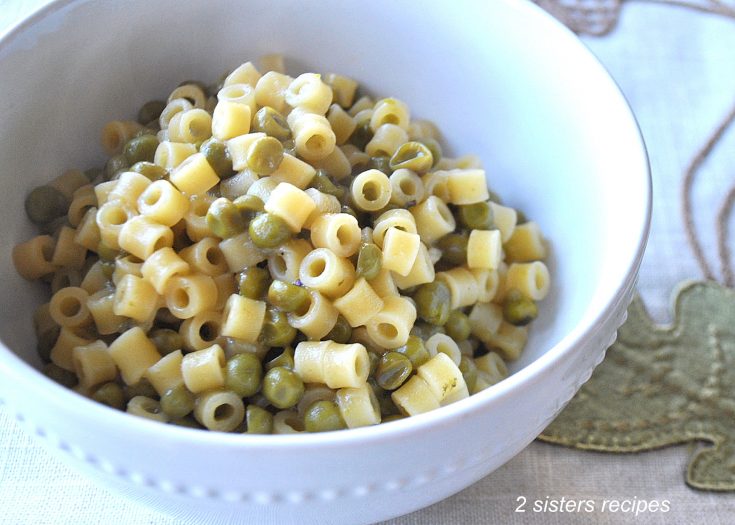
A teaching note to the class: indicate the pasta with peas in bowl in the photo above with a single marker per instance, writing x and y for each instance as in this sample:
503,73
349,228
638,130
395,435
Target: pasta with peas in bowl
273,255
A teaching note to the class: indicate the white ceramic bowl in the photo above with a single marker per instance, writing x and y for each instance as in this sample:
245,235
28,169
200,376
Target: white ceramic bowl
502,79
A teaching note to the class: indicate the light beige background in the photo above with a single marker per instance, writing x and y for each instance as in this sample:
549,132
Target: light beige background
677,69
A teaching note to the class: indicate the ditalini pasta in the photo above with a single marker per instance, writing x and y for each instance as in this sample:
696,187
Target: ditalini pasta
279,254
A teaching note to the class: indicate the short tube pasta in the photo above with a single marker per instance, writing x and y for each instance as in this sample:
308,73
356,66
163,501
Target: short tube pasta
336,365
338,232
371,190
219,410
204,369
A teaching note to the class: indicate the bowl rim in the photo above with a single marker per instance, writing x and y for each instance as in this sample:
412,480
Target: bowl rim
61,398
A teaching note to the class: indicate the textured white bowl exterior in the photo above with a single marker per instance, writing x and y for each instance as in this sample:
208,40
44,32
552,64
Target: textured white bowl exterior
501,78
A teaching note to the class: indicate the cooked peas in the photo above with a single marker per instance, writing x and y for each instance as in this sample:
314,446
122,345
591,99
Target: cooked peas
288,297
458,326
393,369
276,331
414,156
268,230
341,332
387,406
282,387
323,416
434,147
166,340
323,183
380,163
177,402
149,170
518,309
60,375
349,211
218,157
258,420
369,261
243,374
248,205
361,135
44,204
142,148
415,350
469,371
141,388
93,174
477,216
432,302
284,359
454,248
253,282
115,165
265,155
150,111
46,342
269,121
110,394
224,219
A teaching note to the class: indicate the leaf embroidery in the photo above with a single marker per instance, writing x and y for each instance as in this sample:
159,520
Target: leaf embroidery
663,385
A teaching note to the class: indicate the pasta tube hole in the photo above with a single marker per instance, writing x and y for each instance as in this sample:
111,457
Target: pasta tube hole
305,307
209,331
387,330
199,207
279,264
214,256
47,248
70,306
316,267
315,143
407,186
370,191
151,197
180,299
116,216
224,412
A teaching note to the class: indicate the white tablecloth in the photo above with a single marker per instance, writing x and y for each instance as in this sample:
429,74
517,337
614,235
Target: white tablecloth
677,69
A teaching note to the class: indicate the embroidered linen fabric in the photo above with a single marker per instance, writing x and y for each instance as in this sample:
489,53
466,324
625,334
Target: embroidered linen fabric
674,66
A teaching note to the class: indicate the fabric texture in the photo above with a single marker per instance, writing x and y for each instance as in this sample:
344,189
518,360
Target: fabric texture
675,67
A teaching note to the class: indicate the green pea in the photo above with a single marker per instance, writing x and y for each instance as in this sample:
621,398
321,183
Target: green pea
115,165
393,369
432,302
177,402
268,230
380,163
166,340
243,374
458,326
414,156
478,216
258,420
151,111
269,121
288,297
141,388
224,219
469,371
248,205
374,359
149,170
52,228
187,422
60,375
282,387
518,309
264,155
218,156
521,217
369,261
93,174
323,183
140,149
387,406
276,331
110,394
349,211
434,147
415,351
46,342
340,332
454,248
44,204
323,416
361,135
253,282
284,359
